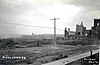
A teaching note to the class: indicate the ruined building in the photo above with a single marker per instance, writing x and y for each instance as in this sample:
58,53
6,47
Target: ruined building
69,34
96,29
80,29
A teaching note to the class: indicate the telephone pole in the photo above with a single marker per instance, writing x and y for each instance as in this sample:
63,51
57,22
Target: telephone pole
54,30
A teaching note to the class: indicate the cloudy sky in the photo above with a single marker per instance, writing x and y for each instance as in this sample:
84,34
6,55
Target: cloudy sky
39,12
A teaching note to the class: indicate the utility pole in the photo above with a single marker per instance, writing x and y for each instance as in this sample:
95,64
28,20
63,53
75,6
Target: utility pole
92,43
93,36
54,30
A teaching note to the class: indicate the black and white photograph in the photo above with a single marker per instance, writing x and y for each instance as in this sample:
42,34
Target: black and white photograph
49,32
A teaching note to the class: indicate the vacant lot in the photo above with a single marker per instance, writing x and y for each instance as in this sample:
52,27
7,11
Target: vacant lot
43,54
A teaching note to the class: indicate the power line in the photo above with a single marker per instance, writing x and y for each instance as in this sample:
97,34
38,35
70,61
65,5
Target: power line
30,25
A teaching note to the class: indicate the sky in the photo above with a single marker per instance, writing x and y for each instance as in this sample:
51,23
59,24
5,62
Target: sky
30,13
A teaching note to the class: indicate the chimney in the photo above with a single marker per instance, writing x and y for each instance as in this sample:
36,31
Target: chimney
82,23
68,29
32,34
65,32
